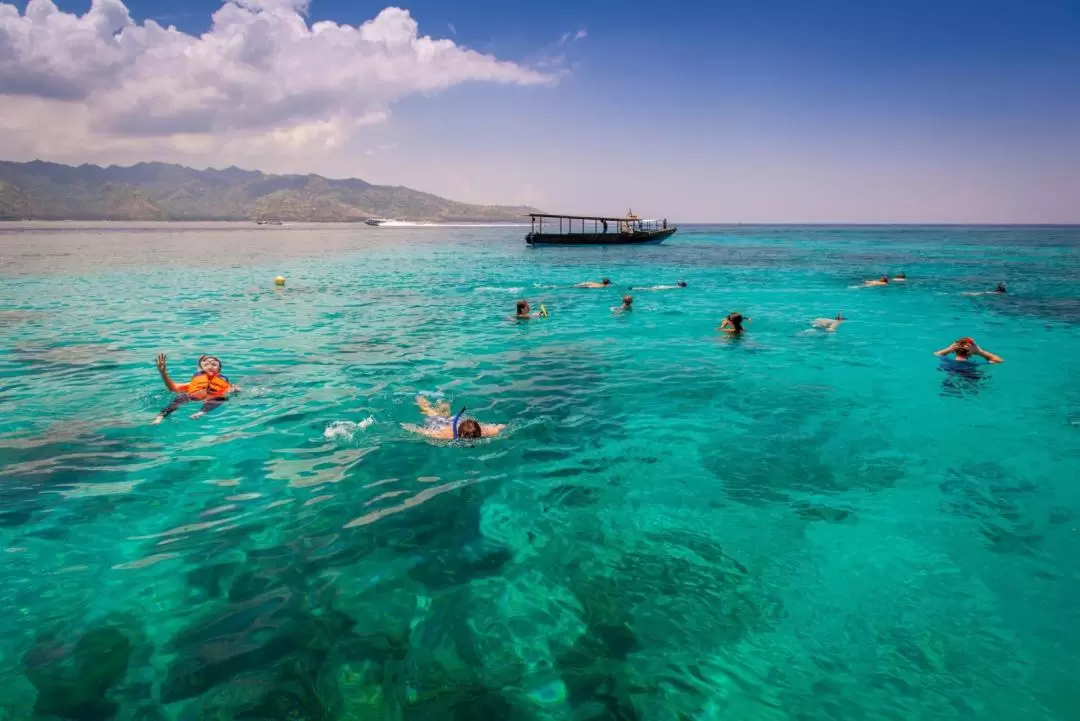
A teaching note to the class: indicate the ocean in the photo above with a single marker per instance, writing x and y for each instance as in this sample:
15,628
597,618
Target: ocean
675,524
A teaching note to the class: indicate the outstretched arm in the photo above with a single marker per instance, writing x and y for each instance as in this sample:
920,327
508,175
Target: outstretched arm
174,387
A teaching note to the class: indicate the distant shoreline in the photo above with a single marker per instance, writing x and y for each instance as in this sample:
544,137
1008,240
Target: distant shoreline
518,224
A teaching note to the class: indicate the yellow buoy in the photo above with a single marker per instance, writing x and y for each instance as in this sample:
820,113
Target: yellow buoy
280,280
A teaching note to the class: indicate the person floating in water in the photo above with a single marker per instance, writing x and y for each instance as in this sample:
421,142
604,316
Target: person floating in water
208,386
883,280
964,350
999,290
440,425
900,277
828,324
678,284
593,284
524,311
734,324
627,304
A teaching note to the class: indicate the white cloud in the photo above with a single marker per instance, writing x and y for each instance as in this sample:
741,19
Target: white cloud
570,36
260,81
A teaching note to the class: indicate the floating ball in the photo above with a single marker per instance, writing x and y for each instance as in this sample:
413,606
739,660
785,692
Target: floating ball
280,280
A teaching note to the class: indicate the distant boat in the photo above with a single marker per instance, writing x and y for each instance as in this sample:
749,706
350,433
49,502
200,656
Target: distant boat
377,221
268,222
595,230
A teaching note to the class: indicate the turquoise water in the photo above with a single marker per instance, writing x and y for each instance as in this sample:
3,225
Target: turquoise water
676,525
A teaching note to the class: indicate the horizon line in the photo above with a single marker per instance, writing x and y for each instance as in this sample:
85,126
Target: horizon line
712,223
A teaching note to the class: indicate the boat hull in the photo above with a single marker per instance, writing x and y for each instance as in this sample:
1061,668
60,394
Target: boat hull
642,237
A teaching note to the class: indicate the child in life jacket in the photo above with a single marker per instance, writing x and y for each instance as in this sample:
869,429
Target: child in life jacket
208,386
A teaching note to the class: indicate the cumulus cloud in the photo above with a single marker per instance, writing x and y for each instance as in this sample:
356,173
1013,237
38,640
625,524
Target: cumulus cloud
260,78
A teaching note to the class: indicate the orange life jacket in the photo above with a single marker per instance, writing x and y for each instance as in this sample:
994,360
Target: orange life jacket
208,386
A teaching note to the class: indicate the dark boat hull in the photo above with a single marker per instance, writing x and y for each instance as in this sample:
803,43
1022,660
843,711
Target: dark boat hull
641,237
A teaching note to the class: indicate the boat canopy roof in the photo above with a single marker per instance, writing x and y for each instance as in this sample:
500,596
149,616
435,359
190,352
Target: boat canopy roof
585,217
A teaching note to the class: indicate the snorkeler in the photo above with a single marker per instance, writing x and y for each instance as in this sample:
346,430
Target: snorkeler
593,284
1000,289
208,385
440,425
524,311
734,323
828,324
883,280
627,304
678,284
965,348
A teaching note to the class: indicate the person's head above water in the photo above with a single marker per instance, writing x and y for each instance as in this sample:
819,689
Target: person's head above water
681,283
964,346
210,365
1000,288
523,307
606,281
736,320
884,279
627,301
840,316
901,275
468,428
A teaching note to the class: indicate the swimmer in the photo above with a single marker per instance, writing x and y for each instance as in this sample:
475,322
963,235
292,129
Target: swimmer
593,284
208,385
734,323
965,348
901,277
828,324
1000,290
678,284
627,304
440,425
883,280
524,311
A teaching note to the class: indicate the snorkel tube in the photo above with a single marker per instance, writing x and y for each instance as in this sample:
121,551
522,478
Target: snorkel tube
454,423
543,311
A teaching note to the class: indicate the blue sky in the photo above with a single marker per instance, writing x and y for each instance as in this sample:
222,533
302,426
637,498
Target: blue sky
732,111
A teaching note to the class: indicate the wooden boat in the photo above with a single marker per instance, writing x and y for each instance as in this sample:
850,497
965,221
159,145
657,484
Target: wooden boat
595,230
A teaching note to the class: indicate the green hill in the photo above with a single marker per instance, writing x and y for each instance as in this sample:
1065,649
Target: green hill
160,191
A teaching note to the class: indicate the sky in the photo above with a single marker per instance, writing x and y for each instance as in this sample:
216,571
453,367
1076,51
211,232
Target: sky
942,111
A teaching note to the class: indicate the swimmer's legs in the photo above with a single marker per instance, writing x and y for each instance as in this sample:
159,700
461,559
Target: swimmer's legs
211,404
440,409
169,409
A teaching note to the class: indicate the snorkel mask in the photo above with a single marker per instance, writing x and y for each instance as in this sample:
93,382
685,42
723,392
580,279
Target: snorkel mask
203,359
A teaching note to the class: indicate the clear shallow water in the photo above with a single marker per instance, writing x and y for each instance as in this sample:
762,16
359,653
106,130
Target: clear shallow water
792,525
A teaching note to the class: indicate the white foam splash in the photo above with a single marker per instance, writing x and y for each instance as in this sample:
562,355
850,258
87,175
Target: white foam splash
345,430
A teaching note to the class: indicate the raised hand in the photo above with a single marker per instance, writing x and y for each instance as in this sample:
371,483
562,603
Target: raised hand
160,362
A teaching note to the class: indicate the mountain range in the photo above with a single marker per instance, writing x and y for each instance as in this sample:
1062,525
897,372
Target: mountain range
161,191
